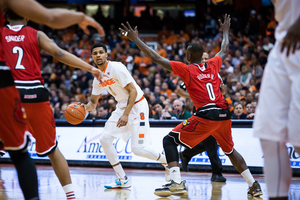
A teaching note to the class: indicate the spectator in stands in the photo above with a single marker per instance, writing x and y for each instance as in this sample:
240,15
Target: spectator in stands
180,111
103,111
160,111
165,89
238,112
92,115
245,76
143,63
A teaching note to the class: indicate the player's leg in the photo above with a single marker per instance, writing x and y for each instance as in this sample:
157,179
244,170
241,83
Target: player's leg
26,173
271,122
224,139
211,148
176,187
141,138
43,129
13,135
187,154
279,163
106,141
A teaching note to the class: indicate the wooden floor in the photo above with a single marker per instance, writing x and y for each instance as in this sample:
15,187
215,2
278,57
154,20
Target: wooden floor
89,185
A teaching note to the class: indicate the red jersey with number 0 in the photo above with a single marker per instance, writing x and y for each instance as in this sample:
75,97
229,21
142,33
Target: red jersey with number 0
22,52
202,82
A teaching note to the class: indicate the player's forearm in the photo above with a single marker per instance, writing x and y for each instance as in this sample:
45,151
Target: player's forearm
151,54
225,44
131,101
72,60
54,18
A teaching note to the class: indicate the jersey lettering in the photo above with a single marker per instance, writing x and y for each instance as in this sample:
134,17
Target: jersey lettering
107,82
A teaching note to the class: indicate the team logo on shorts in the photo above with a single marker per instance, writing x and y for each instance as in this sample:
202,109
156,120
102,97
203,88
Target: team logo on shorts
185,122
19,112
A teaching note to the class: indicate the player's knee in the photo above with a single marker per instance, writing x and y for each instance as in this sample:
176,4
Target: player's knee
168,141
106,139
137,151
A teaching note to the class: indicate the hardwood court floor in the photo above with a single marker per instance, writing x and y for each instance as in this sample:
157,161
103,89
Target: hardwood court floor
89,185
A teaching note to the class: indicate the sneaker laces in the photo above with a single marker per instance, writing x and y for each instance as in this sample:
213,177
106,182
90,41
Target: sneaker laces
118,182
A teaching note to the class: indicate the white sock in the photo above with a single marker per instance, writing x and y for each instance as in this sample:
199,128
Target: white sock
119,171
248,177
175,174
69,191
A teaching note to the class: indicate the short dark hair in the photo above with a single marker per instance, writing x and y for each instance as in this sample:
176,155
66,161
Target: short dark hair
105,106
196,50
98,44
158,101
12,15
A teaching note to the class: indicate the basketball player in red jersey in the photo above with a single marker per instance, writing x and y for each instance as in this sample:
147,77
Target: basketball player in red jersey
12,117
212,116
22,46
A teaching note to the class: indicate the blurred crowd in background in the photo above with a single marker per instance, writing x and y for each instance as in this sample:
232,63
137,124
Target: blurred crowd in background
251,39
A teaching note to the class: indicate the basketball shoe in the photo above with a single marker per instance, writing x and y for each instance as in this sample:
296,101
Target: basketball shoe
255,190
172,188
119,183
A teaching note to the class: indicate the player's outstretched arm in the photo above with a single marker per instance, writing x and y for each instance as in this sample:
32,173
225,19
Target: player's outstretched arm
150,53
55,18
65,57
225,42
292,39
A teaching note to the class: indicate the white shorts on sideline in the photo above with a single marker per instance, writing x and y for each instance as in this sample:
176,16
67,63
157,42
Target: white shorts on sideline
137,127
277,116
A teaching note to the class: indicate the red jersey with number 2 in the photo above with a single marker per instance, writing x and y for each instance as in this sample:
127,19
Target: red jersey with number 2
202,82
22,53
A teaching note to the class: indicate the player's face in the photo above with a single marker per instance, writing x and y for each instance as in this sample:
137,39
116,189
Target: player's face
205,57
99,55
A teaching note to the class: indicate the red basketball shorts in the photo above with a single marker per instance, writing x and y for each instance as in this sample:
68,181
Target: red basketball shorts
41,124
195,129
12,119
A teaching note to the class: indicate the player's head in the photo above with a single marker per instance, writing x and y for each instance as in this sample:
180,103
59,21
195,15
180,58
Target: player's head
99,53
205,57
12,16
194,53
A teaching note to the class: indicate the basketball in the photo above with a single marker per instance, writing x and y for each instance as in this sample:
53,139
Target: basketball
74,113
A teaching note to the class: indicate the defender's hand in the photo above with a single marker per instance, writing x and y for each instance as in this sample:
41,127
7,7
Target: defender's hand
226,25
129,32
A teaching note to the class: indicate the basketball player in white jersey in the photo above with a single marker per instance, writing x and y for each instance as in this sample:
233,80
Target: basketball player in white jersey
131,117
278,123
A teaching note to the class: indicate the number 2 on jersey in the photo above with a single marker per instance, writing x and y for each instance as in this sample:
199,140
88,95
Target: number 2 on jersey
19,51
210,91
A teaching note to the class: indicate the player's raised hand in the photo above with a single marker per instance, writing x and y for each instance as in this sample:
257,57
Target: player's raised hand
129,32
292,39
88,21
226,25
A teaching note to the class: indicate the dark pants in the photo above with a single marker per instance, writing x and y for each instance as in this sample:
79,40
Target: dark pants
211,147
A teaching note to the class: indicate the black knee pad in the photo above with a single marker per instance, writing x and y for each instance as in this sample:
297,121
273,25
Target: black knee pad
170,147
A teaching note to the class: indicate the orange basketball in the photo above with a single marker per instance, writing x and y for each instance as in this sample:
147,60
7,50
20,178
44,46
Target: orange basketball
74,113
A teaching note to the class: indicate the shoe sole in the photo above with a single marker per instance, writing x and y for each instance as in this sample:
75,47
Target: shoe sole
109,187
258,194
180,193
163,193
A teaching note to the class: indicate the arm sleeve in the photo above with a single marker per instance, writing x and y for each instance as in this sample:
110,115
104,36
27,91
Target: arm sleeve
123,75
181,70
216,62
97,88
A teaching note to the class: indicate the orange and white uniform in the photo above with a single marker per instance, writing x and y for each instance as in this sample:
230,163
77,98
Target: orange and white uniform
138,120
